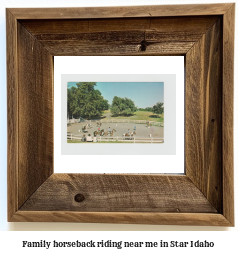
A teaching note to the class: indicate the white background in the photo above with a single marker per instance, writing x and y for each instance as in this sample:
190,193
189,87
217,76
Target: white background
12,240
170,154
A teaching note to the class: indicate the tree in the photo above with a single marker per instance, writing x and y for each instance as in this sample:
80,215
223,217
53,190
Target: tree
104,104
158,108
70,98
85,101
122,106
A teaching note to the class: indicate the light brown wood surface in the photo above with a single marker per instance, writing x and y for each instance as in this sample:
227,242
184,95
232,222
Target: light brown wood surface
12,117
227,113
191,219
35,110
119,193
121,12
119,36
203,118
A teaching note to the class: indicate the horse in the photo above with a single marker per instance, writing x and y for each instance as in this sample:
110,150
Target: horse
101,132
95,133
127,135
84,128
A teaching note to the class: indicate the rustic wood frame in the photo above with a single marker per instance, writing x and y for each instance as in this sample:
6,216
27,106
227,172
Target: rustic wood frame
204,34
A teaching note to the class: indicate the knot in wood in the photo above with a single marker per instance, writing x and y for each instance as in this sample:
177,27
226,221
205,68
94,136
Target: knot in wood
143,45
79,198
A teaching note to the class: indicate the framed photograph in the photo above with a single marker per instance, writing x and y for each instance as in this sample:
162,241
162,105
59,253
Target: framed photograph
170,153
93,106
115,112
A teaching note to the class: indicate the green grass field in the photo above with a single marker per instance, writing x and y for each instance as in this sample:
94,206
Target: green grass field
106,112
138,115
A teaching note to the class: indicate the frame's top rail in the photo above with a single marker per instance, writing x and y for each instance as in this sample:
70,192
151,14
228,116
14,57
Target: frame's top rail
120,11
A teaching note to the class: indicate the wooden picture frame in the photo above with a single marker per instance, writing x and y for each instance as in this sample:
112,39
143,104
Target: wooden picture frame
204,34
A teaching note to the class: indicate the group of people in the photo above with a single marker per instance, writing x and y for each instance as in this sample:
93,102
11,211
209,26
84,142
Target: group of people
109,130
133,129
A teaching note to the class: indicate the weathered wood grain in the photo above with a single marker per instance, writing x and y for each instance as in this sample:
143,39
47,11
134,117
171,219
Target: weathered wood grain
12,115
35,110
114,193
77,26
121,11
192,219
119,36
34,36
178,25
227,113
189,25
71,48
203,119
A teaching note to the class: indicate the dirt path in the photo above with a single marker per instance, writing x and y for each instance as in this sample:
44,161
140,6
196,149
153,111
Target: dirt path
142,131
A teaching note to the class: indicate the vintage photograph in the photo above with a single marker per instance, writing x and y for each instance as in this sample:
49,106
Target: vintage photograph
115,112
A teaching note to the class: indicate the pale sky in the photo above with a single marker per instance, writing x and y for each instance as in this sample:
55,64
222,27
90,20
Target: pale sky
144,94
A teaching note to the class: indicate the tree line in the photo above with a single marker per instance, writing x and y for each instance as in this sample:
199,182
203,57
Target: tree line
87,102
158,108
